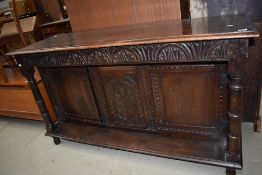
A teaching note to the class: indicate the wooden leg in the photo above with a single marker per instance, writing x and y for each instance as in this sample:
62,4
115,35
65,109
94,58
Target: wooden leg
230,171
57,140
29,74
234,116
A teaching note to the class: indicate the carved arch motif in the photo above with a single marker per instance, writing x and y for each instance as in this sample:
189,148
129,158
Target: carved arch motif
215,50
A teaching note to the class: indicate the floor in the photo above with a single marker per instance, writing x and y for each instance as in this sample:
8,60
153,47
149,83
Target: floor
24,150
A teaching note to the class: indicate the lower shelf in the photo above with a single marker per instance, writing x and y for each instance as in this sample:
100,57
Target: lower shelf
200,151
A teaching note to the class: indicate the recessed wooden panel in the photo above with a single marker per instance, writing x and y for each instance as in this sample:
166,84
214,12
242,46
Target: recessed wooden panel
188,97
123,91
88,14
76,96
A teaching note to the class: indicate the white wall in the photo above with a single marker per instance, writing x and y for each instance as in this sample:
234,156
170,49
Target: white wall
198,8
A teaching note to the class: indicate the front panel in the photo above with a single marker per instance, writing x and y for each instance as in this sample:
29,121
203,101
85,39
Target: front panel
188,98
121,88
71,92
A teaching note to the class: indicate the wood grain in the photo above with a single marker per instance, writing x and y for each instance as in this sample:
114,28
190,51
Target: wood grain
253,80
17,99
18,102
55,28
88,14
27,25
166,89
173,90
52,8
212,28
207,152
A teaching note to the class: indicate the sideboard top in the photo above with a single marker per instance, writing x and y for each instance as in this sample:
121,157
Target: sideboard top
210,28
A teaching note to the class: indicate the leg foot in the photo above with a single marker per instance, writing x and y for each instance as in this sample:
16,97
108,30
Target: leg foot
257,125
57,141
230,171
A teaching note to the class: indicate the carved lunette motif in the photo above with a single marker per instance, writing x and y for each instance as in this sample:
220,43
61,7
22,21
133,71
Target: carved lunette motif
124,101
216,50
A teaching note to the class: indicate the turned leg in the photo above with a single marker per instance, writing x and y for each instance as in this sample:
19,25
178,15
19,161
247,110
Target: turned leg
236,77
230,171
57,140
234,116
29,74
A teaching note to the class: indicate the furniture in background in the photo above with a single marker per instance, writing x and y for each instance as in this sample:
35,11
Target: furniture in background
160,88
16,96
25,8
55,28
86,15
13,35
59,22
253,81
26,31
55,9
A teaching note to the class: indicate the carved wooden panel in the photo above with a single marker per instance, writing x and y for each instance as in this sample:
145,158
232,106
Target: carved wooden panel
123,92
73,88
188,98
215,50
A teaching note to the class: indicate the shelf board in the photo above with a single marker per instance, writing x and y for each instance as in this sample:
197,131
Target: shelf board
193,150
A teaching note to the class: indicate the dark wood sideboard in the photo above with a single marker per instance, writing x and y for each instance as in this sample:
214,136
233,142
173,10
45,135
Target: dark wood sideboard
171,89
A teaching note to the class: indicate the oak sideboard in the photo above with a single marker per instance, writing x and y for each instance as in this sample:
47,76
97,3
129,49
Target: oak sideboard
171,89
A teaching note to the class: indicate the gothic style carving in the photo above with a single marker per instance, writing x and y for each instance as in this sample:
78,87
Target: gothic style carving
124,99
215,50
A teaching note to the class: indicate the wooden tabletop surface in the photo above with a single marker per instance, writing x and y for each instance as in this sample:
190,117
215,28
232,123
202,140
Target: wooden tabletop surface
223,27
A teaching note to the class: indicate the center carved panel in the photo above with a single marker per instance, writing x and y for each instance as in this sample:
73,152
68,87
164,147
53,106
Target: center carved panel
123,96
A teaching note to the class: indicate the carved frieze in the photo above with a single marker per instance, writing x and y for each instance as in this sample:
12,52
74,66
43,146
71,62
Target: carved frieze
215,50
